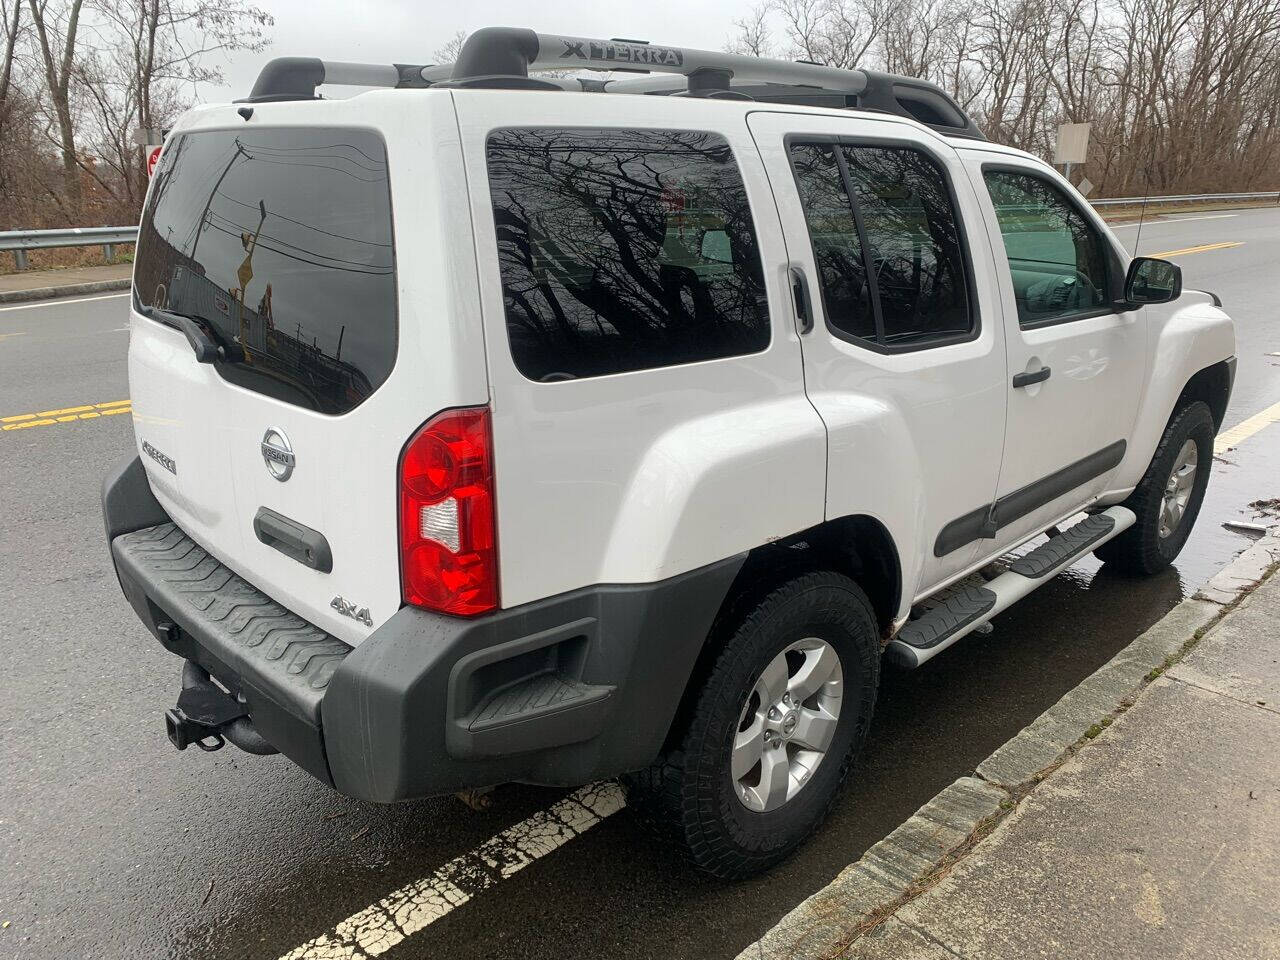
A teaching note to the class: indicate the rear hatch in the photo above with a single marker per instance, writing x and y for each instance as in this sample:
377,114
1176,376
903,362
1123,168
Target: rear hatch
277,241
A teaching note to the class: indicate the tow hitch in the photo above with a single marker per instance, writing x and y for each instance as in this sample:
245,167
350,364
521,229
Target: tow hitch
208,716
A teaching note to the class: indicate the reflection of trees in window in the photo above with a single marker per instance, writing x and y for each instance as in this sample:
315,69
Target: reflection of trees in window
834,234
623,249
902,223
914,242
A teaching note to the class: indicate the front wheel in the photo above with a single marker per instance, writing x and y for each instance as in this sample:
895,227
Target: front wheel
774,729
1167,499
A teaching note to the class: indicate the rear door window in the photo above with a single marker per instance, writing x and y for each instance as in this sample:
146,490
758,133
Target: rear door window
278,242
623,250
887,242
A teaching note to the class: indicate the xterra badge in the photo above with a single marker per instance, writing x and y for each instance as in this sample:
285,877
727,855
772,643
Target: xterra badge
348,609
167,462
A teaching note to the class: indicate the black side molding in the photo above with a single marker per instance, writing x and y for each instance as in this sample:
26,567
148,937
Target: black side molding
309,547
985,522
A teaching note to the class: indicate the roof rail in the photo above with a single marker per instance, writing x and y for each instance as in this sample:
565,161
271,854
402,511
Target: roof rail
493,55
297,78
504,56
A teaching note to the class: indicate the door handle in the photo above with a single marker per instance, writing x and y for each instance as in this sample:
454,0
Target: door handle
1027,378
800,294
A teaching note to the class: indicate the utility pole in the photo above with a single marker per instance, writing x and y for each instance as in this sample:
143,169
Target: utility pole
205,212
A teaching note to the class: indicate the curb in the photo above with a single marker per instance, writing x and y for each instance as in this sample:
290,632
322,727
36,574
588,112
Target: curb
915,855
67,290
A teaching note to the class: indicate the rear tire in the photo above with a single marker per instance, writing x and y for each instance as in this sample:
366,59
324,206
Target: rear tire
799,671
1167,499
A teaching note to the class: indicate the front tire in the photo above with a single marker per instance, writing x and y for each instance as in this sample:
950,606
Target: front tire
1167,499
778,722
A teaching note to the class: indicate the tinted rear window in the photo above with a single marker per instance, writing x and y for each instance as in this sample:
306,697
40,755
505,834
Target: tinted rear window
278,241
623,250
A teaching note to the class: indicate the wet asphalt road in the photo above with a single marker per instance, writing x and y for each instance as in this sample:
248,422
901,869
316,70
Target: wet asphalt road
114,845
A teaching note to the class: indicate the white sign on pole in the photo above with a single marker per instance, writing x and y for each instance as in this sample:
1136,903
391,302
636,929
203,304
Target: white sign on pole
1073,143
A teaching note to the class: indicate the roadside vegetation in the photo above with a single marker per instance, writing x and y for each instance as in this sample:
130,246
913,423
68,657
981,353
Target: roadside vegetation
1183,95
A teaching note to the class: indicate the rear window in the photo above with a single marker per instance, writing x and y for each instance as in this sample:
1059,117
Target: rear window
278,242
623,250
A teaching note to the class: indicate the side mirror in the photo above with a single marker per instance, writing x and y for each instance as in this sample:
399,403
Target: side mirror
1152,281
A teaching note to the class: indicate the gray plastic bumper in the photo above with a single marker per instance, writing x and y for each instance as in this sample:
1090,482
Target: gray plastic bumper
560,691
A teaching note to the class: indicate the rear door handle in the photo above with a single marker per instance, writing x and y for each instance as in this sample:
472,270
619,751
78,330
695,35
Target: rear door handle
803,303
1029,377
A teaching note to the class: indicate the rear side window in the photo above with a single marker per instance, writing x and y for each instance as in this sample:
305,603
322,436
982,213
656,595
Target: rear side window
1057,260
891,262
278,243
837,249
623,250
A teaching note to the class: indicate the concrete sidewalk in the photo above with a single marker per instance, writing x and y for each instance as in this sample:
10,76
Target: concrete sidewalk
43,284
1155,834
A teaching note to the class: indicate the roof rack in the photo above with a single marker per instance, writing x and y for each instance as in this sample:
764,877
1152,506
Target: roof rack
503,57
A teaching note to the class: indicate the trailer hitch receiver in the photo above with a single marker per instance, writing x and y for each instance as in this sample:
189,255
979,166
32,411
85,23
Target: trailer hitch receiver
203,712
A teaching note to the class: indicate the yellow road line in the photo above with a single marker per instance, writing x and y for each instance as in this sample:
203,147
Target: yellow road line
1246,429
48,418
1200,249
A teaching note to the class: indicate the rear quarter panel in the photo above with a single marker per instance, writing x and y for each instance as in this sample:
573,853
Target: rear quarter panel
635,477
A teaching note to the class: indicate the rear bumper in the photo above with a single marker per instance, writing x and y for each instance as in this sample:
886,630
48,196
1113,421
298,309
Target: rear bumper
560,691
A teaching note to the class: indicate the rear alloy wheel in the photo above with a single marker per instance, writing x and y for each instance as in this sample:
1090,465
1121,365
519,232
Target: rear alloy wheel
787,724
773,731
1167,500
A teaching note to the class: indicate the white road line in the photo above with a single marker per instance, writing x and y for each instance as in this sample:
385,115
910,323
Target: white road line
1159,220
59,303
413,907
1208,216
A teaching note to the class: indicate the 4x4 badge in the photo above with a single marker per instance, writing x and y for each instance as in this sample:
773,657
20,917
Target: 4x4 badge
349,609
278,454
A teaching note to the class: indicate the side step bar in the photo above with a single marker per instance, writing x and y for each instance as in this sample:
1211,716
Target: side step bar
922,639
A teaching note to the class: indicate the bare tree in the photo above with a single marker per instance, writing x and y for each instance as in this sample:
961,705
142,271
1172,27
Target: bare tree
751,33
448,51
57,28
12,26
156,52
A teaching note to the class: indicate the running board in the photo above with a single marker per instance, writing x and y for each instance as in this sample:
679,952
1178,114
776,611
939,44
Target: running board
968,608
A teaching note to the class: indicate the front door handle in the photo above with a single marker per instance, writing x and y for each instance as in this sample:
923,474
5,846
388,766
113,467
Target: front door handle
1029,377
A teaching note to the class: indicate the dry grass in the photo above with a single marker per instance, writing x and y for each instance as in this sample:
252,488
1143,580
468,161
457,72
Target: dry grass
65,258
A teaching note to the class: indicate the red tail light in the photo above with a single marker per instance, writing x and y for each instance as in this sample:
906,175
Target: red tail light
448,554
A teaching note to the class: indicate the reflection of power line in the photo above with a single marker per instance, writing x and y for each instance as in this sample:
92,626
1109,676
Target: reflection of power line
321,166
289,158
379,271
239,227
204,214
281,216
326,146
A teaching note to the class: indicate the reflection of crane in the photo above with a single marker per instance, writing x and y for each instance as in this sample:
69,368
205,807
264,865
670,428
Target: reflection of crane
250,243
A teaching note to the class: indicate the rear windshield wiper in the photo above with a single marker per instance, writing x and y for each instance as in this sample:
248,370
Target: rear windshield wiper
206,343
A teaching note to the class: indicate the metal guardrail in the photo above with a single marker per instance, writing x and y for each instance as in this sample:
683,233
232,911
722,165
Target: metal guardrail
1188,198
20,241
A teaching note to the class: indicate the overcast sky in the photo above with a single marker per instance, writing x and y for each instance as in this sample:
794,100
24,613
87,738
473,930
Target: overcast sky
408,31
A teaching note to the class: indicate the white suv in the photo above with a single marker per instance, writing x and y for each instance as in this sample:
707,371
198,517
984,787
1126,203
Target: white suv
495,428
